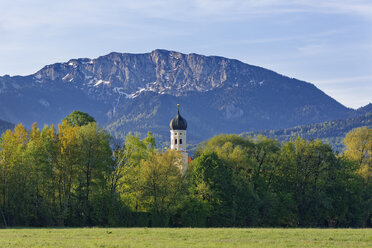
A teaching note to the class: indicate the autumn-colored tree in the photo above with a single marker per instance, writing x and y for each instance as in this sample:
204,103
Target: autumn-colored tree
13,173
358,143
66,170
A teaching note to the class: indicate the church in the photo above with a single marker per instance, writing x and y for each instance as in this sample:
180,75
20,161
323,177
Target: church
178,126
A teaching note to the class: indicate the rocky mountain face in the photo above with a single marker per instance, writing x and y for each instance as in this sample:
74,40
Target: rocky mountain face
139,92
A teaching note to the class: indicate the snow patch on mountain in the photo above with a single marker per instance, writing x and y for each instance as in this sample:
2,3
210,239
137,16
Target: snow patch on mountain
73,64
90,62
68,77
99,82
38,76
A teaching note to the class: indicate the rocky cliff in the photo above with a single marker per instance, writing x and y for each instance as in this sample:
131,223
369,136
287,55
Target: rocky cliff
139,92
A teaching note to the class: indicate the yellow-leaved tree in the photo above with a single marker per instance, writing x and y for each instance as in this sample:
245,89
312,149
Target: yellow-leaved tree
358,144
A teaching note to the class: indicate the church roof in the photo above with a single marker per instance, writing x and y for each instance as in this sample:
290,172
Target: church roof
178,122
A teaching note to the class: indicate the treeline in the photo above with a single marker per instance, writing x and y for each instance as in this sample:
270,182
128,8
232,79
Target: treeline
74,176
330,132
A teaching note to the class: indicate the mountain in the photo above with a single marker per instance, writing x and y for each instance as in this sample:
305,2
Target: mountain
4,125
331,132
139,92
364,110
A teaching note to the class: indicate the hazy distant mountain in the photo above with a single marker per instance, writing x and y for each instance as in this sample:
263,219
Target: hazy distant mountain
4,125
139,92
364,110
331,132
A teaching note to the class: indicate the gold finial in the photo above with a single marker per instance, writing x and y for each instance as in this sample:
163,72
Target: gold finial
178,107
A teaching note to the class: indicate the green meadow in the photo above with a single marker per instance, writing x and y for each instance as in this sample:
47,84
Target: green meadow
184,237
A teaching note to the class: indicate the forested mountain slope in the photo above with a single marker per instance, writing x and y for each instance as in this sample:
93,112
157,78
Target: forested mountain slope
331,132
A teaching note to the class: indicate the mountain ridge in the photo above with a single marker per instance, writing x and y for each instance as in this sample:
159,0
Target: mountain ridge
217,94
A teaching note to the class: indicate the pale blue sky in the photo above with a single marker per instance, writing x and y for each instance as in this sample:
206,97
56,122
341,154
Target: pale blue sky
325,42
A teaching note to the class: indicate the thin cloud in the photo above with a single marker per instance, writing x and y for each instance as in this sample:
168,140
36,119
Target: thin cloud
294,37
366,78
352,7
313,49
28,14
289,37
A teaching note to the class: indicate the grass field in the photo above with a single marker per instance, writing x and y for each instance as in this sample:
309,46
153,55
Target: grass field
184,237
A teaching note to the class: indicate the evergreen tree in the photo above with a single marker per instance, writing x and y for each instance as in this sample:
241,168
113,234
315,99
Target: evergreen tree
78,118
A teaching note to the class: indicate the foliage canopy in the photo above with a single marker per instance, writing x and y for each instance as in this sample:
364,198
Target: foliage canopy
71,176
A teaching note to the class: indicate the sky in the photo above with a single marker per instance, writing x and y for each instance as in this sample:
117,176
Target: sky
325,42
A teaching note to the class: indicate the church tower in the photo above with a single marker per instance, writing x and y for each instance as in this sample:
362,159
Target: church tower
178,126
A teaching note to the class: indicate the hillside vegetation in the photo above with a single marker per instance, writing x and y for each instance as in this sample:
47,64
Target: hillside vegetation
330,132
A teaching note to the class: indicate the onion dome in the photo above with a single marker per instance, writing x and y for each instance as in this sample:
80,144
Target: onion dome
178,122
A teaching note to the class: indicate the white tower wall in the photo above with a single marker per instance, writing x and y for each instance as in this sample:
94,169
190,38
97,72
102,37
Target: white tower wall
178,140
178,143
